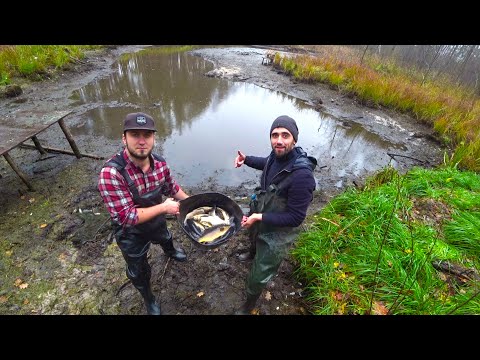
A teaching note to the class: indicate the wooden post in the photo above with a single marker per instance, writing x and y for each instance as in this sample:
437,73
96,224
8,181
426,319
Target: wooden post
69,137
18,171
38,145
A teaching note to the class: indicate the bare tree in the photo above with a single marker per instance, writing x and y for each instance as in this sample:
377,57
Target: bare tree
437,49
392,50
465,61
448,60
459,62
363,55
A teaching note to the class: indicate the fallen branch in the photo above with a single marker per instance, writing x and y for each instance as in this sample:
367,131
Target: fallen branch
164,269
98,231
49,149
461,272
45,158
128,282
408,157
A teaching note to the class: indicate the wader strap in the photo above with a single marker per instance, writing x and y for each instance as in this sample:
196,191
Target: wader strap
118,162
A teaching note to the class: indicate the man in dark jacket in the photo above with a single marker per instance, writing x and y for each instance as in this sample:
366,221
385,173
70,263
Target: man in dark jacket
131,185
278,206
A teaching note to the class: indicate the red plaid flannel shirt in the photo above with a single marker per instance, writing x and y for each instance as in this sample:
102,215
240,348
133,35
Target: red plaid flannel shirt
116,195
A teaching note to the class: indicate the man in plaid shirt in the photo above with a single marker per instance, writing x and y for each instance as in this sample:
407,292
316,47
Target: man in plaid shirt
131,185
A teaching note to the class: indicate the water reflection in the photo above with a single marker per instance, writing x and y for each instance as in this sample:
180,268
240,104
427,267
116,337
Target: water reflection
172,88
203,121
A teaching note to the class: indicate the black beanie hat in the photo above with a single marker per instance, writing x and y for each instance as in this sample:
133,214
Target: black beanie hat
286,122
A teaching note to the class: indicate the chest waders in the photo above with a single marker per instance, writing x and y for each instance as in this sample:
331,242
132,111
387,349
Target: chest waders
134,241
272,243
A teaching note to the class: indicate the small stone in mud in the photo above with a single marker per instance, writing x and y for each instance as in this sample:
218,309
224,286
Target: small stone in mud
13,91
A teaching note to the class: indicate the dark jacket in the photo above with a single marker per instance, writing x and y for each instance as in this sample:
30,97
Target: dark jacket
295,173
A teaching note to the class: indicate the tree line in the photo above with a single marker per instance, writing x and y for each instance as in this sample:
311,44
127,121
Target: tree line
458,63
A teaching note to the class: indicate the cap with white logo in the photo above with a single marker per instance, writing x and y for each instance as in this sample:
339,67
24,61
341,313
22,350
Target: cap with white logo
138,121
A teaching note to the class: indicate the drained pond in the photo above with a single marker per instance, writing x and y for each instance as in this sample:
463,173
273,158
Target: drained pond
203,120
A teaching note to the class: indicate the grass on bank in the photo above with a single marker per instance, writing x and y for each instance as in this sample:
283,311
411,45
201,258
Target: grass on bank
374,251
36,61
452,110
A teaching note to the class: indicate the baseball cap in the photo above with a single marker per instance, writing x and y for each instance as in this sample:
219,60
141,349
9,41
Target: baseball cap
138,121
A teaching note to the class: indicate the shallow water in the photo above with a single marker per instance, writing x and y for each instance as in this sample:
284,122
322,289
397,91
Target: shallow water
202,121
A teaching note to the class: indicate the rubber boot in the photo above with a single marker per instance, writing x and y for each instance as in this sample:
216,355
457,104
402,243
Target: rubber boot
150,303
139,273
248,305
170,251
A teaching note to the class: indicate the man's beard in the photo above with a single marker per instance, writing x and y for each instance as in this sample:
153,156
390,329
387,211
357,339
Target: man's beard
139,156
283,154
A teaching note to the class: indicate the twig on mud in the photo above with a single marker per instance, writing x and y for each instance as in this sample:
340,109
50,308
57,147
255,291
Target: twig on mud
185,298
184,275
164,269
124,285
237,290
98,230
110,237
45,158
408,157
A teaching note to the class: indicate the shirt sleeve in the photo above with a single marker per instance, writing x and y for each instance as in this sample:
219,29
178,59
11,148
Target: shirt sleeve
170,186
117,198
255,162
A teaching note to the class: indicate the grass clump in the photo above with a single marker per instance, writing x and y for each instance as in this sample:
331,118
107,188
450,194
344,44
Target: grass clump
377,250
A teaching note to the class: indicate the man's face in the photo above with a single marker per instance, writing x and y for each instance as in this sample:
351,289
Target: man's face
139,143
282,141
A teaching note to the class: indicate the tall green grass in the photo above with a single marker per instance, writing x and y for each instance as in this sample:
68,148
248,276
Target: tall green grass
371,251
36,61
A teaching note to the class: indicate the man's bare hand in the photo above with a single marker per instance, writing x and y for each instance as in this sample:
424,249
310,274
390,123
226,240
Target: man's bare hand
171,206
252,219
240,159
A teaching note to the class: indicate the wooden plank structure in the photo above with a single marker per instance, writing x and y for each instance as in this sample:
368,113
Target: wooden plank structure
27,125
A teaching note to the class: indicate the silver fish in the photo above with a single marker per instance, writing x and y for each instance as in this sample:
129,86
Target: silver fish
197,211
209,219
223,214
